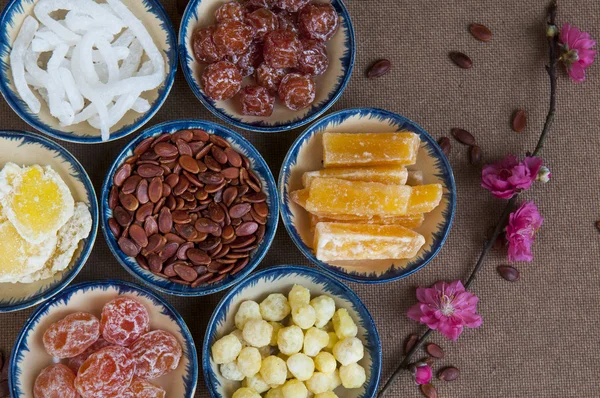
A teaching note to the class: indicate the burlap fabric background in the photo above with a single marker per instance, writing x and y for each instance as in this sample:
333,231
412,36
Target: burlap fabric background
540,335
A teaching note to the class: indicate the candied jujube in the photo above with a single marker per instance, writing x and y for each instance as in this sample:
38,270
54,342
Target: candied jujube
221,80
288,21
55,381
155,354
256,101
204,47
297,91
291,5
142,389
76,362
313,59
263,21
250,60
72,335
281,49
318,21
232,10
106,373
259,3
269,77
233,37
124,320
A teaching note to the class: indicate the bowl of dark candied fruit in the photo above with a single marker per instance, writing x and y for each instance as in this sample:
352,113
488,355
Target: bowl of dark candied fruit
267,65
189,208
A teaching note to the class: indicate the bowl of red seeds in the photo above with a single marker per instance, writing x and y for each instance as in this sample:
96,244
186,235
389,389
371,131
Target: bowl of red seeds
267,65
104,339
189,207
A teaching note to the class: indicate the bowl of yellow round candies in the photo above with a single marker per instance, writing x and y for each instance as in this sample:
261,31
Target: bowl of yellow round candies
291,331
48,219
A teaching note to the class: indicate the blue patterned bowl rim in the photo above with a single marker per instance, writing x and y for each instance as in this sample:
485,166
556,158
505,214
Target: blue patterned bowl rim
17,105
333,286
121,286
339,117
259,166
81,175
261,127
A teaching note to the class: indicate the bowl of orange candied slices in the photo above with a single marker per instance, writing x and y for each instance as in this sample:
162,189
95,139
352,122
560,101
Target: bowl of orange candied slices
104,339
367,195
48,219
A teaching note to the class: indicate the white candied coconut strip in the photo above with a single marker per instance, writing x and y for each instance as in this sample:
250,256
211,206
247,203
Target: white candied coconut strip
66,111
109,57
132,62
117,111
141,105
71,89
17,66
124,39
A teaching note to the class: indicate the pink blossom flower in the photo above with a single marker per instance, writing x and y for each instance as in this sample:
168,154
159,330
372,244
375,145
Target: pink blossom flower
447,308
576,51
520,231
422,373
509,176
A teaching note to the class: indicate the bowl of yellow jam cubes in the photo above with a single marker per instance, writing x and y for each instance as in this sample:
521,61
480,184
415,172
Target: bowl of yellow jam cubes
48,219
367,195
291,331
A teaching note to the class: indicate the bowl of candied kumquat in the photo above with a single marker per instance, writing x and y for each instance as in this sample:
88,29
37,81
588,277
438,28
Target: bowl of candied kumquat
267,65
104,339
367,195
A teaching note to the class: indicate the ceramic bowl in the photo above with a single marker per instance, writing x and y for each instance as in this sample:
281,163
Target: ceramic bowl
25,148
155,19
281,279
306,154
341,50
259,166
29,356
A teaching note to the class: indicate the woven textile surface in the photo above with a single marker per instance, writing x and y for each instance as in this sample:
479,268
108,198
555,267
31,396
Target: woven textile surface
540,335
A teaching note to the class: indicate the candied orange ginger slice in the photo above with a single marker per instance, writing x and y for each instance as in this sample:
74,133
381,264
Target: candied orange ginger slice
339,241
383,174
300,197
19,258
365,199
38,202
424,198
413,221
370,149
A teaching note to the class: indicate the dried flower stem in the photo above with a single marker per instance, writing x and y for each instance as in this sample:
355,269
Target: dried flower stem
551,69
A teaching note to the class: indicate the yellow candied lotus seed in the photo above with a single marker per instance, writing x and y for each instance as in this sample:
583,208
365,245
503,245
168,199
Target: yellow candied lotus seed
301,366
314,341
294,389
276,392
285,358
348,350
249,361
333,339
276,328
248,310
257,332
334,379
275,307
324,308
343,324
325,362
256,383
238,333
353,375
245,392
290,340
226,349
328,327
273,370
328,394
299,296
231,371
318,383
304,316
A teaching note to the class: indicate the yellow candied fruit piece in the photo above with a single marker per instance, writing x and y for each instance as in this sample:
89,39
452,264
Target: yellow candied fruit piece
19,258
300,197
339,241
412,221
370,149
334,196
425,198
39,203
383,174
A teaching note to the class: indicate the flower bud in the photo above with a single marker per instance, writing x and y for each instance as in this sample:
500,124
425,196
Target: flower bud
551,31
543,175
422,372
